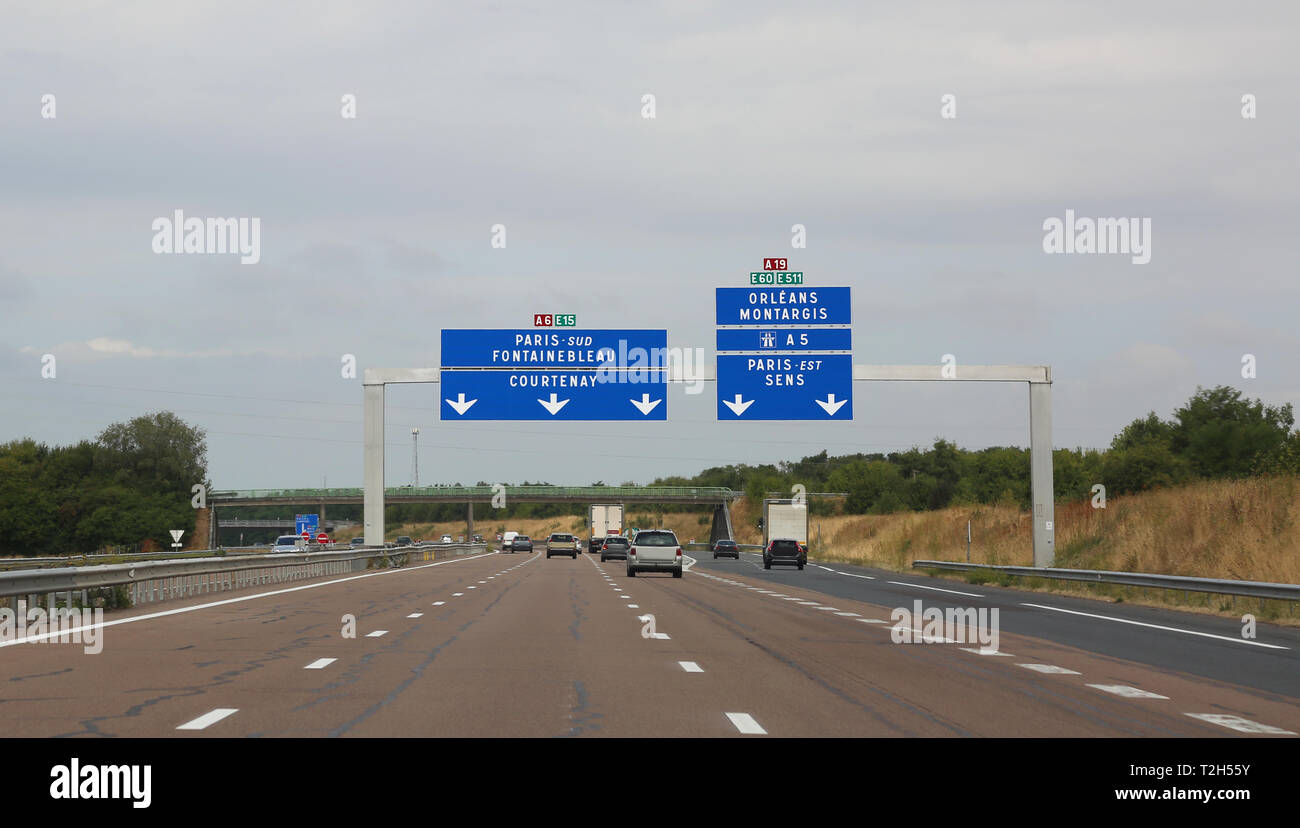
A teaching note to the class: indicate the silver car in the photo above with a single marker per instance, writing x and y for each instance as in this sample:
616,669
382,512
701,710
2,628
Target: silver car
654,550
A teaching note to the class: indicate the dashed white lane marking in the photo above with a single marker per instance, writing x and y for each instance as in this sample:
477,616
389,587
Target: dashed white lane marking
1160,627
376,633
416,615
871,621
827,568
826,609
690,667
471,587
984,651
808,603
320,664
852,575
848,614
625,596
936,589
482,582
457,594
439,603
208,719
1239,724
745,723
634,606
1128,692
789,599
1049,668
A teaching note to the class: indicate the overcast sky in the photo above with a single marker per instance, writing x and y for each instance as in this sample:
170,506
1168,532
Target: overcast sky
376,230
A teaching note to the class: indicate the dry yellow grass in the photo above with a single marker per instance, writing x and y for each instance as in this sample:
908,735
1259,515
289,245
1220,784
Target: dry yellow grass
1239,529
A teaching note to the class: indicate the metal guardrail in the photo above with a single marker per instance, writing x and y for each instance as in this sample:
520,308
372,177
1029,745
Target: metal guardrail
1219,586
150,581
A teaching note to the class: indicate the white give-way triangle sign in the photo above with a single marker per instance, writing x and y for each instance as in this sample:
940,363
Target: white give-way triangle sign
460,403
554,405
176,534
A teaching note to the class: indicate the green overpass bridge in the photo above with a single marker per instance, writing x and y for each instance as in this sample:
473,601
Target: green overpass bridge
717,497
703,495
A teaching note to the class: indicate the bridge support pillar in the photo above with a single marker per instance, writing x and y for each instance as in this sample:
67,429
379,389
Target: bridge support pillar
373,465
469,521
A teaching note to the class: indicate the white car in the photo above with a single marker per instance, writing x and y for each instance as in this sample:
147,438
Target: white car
446,539
655,550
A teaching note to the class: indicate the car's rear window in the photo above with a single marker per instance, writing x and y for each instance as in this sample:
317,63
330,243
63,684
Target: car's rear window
726,543
562,538
521,537
656,539
616,541
785,546
286,540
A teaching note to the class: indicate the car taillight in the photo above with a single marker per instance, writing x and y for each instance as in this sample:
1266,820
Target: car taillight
679,551
632,550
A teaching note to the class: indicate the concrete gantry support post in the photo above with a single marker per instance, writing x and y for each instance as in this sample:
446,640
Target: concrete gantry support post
373,465
1041,482
469,521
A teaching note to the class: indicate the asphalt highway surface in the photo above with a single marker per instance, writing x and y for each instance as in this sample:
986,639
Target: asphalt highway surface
517,645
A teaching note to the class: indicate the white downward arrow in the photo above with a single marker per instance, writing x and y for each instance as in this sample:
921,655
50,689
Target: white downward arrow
645,404
461,404
830,404
554,405
738,407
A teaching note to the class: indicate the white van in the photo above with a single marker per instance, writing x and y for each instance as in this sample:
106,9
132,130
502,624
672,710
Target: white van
505,540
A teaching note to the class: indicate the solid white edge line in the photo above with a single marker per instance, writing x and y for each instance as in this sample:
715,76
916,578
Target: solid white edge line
1160,627
936,589
208,719
196,607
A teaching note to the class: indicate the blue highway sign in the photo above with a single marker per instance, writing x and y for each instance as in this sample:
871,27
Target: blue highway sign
306,523
554,395
549,348
783,306
785,339
795,387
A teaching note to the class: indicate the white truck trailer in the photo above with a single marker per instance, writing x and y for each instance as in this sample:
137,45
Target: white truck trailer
605,519
785,519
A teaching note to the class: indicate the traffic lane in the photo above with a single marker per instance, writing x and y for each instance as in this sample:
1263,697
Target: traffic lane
564,654
154,671
1185,647
837,649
